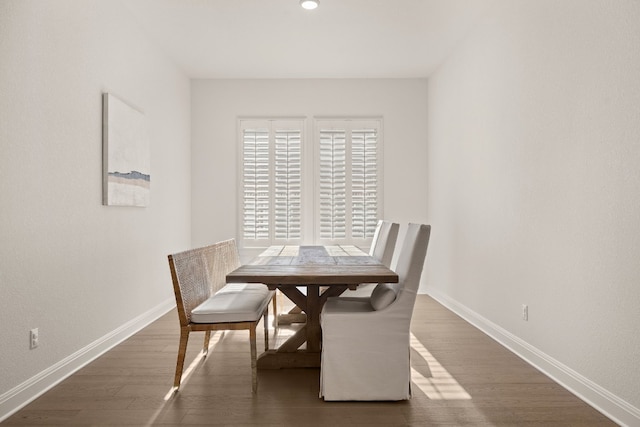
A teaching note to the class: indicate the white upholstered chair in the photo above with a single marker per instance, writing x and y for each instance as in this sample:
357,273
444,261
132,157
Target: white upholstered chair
384,241
382,247
365,348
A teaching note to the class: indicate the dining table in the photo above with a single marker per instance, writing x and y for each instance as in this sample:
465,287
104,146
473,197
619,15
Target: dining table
308,275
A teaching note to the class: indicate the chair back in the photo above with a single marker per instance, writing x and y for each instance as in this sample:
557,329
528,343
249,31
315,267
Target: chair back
410,265
199,273
384,241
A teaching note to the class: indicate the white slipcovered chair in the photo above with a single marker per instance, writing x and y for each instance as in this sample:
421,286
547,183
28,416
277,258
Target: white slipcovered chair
384,241
382,247
365,348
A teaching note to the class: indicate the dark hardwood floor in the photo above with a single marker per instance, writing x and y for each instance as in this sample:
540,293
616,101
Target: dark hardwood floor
461,377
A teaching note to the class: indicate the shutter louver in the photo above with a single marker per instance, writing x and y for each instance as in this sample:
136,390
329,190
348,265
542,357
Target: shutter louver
364,182
333,185
256,200
287,174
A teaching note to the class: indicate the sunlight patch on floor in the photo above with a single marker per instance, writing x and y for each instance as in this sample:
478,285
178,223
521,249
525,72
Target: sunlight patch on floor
439,385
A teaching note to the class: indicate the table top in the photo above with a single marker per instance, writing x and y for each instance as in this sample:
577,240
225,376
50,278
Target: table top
313,265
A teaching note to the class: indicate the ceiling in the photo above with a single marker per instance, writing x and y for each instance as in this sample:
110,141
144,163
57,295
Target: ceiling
279,39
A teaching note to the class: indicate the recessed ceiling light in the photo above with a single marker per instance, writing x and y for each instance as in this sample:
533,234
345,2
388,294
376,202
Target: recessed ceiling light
309,4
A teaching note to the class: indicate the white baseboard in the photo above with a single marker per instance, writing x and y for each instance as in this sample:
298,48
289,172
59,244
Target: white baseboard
19,396
607,403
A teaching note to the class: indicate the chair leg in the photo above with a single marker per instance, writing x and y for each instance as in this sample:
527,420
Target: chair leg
275,310
207,338
265,316
254,357
182,350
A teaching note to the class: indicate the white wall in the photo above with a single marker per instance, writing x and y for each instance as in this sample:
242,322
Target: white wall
216,105
69,266
534,179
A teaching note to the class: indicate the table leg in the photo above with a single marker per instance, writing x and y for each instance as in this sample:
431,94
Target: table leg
295,315
288,354
314,334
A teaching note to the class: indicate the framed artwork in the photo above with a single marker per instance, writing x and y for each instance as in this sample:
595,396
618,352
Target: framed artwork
126,154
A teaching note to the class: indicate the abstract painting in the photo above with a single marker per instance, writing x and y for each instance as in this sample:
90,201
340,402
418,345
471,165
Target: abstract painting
126,155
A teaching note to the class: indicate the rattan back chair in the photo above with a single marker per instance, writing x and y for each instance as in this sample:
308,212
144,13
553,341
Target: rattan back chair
197,274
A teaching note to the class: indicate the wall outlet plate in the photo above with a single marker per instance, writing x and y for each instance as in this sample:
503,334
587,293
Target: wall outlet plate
34,338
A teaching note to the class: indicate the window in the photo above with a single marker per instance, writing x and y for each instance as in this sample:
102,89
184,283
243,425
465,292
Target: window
344,204
349,185
271,182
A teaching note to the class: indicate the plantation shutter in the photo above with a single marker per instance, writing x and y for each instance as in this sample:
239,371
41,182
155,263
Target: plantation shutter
349,195
287,214
364,182
255,184
333,184
271,175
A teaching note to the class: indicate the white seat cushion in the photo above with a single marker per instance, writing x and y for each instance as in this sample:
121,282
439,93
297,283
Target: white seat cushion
244,287
231,306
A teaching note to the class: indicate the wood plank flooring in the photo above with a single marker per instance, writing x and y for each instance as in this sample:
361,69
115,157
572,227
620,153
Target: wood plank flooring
461,377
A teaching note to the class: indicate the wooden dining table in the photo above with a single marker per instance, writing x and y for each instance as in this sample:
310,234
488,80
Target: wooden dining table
325,271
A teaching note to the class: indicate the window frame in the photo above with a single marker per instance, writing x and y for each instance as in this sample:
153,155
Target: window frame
309,177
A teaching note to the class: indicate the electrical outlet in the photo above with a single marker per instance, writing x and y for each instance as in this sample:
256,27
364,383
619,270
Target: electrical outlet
34,336
525,312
